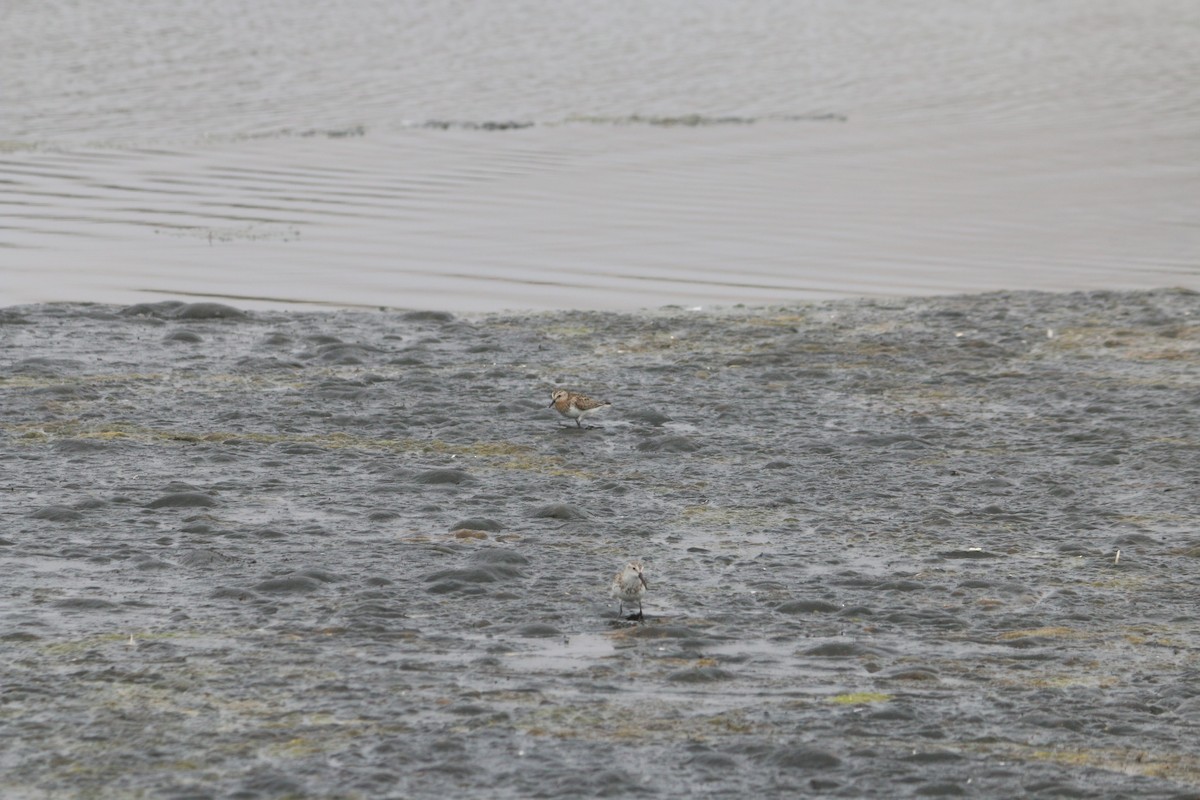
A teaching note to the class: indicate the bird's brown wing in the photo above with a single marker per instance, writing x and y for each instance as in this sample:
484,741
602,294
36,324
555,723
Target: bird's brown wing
585,403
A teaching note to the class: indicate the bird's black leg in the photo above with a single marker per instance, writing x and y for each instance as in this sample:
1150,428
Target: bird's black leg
578,424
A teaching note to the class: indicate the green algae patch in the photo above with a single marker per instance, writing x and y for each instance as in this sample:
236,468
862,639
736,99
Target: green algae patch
1071,681
1046,633
76,647
859,698
1183,767
614,722
498,454
47,382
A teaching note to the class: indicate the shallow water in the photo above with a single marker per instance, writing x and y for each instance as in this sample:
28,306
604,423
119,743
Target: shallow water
594,155
918,547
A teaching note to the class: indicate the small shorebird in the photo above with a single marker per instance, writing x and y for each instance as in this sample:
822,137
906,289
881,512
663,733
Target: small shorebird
628,586
575,405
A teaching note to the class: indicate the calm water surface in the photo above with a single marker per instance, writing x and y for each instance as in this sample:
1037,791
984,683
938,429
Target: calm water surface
594,155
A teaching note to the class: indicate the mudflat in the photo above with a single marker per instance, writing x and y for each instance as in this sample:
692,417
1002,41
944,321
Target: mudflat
913,547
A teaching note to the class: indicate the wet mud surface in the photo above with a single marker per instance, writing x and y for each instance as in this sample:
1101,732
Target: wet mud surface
915,548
